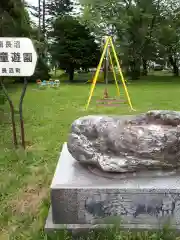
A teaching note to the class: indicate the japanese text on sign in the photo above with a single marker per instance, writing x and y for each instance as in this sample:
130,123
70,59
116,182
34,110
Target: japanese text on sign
15,60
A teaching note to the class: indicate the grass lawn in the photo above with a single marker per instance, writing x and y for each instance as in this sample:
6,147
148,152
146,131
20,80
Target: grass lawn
25,177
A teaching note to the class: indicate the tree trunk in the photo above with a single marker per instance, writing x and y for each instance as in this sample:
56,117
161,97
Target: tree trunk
173,62
12,114
44,14
39,19
176,70
135,69
145,70
71,74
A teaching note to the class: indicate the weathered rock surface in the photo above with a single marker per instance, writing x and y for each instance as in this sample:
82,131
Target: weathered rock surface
127,143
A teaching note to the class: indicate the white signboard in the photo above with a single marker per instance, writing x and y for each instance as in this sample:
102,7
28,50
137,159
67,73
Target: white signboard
17,57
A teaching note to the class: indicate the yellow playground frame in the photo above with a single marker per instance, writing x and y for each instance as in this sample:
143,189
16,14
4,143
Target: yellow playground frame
108,44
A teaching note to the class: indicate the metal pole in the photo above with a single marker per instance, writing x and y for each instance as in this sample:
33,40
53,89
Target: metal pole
107,65
12,112
106,69
21,113
44,17
97,74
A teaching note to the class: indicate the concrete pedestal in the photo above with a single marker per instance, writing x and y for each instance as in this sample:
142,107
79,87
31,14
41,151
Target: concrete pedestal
82,200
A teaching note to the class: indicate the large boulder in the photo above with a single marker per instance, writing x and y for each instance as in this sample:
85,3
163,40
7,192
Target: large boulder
127,143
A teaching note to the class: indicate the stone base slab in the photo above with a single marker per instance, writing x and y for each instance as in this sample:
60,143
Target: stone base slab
82,200
79,228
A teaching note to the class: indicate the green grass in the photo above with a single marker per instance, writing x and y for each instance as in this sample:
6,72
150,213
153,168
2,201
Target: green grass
25,177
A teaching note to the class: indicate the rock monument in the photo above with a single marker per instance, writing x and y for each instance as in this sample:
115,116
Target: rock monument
150,141
125,167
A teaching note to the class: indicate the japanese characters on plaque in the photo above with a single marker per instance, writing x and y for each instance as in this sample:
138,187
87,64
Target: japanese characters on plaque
16,57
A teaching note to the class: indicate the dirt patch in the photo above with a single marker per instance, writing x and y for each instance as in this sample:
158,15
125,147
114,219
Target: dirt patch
4,234
29,200
34,147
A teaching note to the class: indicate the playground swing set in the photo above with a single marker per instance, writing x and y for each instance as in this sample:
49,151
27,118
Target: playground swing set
106,100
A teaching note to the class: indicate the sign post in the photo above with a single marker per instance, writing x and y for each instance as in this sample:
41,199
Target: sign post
18,58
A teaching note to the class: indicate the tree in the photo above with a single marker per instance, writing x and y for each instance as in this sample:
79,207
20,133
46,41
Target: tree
169,34
143,30
73,45
46,13
51,9
101,16
57,8
142,19
42,70
14,19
